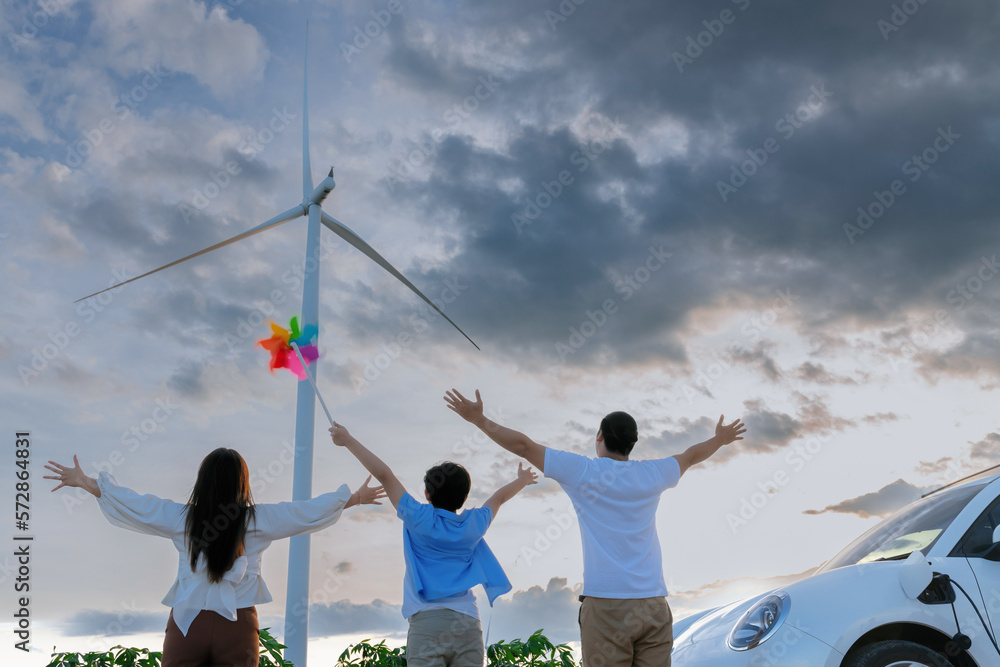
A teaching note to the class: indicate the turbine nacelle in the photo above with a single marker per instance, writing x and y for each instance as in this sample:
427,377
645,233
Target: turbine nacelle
322,190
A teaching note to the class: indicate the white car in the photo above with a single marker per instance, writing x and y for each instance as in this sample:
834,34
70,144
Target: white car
861,609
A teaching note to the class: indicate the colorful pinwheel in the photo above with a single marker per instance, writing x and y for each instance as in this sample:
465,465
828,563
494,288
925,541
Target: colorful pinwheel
282,353
294,350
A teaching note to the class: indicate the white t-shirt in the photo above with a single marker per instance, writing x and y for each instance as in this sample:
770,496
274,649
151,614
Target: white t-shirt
616,503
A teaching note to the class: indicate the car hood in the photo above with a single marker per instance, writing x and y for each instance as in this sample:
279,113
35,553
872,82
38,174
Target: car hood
809,599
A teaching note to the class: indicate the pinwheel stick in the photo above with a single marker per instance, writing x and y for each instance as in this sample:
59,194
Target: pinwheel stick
305,367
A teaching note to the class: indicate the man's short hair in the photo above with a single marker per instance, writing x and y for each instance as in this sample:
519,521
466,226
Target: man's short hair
620,433
447,485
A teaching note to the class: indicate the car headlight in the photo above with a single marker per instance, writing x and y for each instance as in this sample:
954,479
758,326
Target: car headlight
760,622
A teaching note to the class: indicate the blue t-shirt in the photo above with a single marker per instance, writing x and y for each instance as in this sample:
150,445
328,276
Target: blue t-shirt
616,503
446,556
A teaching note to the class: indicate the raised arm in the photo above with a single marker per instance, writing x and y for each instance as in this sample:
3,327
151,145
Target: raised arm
123,507
724,434
525,477
513,441
394,489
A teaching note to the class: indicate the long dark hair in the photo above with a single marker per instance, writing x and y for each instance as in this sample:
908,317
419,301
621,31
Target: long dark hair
219,510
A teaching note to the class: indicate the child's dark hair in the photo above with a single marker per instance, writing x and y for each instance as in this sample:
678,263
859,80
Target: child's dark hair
447,485
620,433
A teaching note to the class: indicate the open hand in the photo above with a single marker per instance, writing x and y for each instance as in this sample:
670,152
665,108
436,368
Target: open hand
369,495
727,433
526,475
466,409
68,476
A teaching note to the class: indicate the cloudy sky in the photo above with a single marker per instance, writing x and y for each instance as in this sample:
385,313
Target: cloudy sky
781,211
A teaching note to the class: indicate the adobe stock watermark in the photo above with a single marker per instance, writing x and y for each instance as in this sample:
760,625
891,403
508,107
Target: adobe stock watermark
471,444
249,148
404,168
371,30
81,148
915,167
963,293
418,324
899,16
752,331
786,126
131,440
795,460
548,191
628,285
292,278
545,538
714,28
35,21
564,10
87,311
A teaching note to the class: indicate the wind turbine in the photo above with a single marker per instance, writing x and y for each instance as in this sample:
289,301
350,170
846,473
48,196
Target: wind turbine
297,598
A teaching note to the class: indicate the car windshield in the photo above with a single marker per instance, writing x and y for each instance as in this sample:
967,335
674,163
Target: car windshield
913,528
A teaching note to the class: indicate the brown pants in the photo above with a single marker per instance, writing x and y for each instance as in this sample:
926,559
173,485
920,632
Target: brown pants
626,633
213,641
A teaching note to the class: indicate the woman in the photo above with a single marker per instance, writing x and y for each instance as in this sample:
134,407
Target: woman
220,536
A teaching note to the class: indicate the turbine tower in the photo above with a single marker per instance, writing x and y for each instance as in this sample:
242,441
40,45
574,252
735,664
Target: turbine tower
297,598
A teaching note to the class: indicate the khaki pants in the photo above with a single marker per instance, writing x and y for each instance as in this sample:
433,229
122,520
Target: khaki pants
213,641
444,638
626,633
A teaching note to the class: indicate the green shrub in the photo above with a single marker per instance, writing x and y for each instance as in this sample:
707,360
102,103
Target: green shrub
366,654
537,651
120,656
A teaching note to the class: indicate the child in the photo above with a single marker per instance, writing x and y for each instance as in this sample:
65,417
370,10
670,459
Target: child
445,557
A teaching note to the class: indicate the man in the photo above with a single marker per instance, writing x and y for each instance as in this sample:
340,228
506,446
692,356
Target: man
624,617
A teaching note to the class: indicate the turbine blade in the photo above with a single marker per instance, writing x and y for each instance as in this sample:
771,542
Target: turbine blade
307,185
344,232
290,214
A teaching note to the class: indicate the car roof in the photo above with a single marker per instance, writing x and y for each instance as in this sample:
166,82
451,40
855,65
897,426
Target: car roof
988,475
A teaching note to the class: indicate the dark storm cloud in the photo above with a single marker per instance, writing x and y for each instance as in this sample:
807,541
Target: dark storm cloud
582,240
886,500
573,280
868,100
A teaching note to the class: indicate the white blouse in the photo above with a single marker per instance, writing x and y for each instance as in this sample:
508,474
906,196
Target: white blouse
242,586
